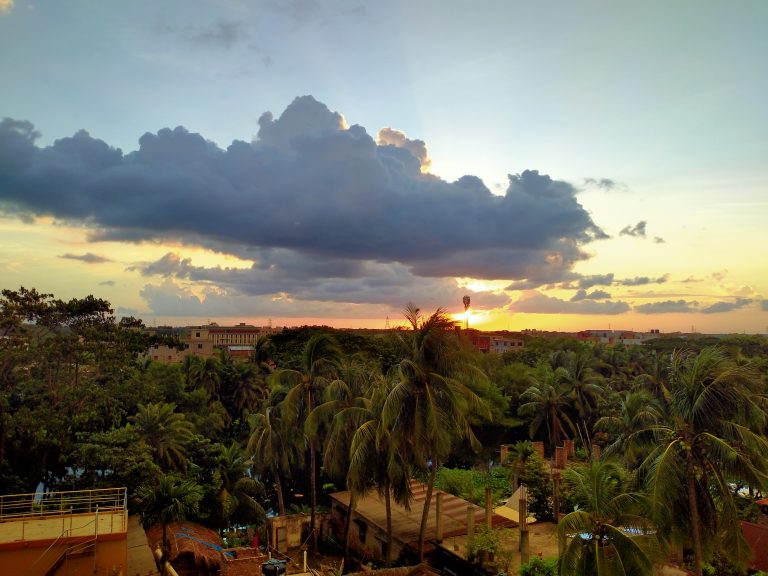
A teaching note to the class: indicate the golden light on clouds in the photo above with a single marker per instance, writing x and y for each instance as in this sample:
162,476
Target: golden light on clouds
5,5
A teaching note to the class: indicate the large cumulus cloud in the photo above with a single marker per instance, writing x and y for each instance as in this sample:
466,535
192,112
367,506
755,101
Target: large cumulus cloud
309,191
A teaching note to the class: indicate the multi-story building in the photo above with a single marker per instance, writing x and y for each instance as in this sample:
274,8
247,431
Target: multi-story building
612,337
495,342
208,340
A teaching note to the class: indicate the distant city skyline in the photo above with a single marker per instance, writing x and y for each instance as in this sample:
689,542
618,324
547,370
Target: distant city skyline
568,166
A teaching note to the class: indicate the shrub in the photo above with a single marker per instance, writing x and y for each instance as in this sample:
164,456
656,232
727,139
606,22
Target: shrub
539,567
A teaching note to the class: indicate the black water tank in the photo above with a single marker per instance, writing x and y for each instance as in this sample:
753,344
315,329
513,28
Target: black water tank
273,567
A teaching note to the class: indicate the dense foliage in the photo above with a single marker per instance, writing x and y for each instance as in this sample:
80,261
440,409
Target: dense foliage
682,421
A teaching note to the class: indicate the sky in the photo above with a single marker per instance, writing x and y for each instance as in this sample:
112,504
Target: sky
567,165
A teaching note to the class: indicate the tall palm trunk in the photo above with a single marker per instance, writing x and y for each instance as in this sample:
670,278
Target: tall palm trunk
348,524
695,520
388,502
425,513
279,489
313,478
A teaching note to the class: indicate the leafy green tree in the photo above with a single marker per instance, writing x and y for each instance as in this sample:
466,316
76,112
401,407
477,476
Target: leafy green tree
607,534
537,479
709,438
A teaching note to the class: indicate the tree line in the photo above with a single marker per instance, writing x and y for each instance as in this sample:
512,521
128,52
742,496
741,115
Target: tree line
681,424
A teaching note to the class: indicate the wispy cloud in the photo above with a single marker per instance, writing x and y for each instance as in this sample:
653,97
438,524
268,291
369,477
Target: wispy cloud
606,184
667,307
595,295
88,258
719,307
643,280
638,230
537,303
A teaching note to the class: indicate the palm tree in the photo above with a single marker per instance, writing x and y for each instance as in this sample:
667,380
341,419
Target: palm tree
251,389
238,488
270,448
707,440
204,373
516,459
429,405
547,401
577,372
320,359
639,410
607,534
344,408
166,432
374,463
172,500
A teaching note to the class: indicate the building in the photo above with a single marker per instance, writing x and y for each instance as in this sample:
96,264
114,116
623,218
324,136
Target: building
57,533
209,340
449,517
613,337
495,342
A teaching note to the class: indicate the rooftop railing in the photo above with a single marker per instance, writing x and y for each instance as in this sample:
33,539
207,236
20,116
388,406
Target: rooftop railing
16,506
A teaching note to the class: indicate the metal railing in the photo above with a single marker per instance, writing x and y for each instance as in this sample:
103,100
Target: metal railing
15,506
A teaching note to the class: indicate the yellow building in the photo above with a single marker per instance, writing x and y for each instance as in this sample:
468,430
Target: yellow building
57,533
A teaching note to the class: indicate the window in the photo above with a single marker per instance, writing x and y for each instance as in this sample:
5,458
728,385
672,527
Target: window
199,346
362,528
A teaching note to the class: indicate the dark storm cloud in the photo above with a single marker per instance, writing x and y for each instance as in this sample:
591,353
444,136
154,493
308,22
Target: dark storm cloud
719,307
667,307
537,303
306,279
307,185
643,280
595,295
638,230
88,258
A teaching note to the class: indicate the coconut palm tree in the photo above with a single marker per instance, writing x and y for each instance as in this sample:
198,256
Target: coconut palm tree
270,448
547,402
607,534
578,373
429,405
706,441
319,362
205,373
238,492
344,408
373,462
639,410
516,459
166,432
173,499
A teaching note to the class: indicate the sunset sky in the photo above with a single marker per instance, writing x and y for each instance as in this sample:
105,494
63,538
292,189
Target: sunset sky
568,165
